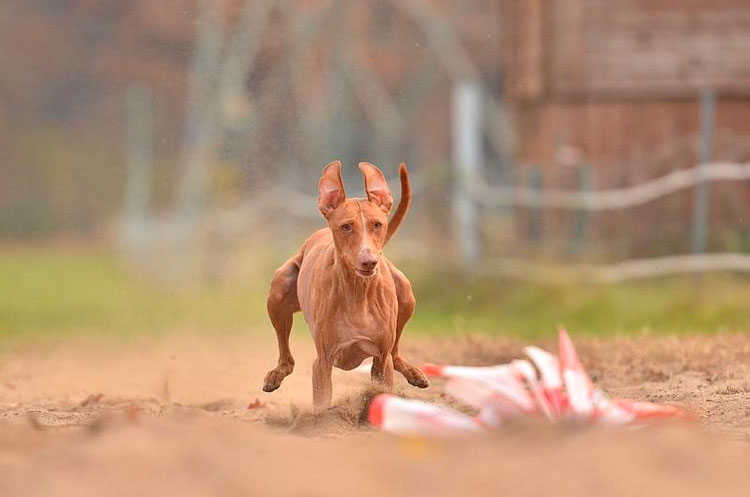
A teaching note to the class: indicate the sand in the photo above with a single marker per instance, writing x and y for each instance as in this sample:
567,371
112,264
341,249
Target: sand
185,415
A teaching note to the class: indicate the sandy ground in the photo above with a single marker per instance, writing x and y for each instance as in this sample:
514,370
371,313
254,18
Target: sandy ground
186,416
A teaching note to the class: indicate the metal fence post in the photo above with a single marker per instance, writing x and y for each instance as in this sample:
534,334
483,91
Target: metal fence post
140,159
467,160
581,223
536,182
700,206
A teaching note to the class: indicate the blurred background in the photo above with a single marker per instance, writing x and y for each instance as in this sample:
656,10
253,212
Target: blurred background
582,162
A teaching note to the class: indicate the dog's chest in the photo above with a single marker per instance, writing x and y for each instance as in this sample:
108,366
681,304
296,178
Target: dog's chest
349,315
370,319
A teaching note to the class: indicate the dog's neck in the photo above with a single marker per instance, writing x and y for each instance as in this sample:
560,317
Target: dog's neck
356,286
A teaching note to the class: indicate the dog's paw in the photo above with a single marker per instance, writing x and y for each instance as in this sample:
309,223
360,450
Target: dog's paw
415,377
273,380
413,374
419,380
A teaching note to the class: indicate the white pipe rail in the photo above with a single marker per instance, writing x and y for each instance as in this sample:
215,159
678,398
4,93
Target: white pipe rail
632,269
675,264
602,200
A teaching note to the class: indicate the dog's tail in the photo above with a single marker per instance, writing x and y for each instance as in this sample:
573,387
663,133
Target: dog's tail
403,204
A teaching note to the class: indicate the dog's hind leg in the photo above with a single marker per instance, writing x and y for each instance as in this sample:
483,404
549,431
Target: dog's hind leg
406,305
322,386
282,303
382,370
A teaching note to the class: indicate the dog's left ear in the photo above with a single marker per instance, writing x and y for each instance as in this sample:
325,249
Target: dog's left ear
376,186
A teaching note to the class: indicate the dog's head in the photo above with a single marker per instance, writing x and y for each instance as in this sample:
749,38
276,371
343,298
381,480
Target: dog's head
359,225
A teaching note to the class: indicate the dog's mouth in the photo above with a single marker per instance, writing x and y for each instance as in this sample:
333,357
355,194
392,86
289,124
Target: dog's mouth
366,274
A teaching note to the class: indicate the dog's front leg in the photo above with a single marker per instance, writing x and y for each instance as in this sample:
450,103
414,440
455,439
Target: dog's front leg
322,386
406,304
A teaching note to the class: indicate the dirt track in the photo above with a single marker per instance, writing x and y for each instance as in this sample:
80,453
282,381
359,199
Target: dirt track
187,417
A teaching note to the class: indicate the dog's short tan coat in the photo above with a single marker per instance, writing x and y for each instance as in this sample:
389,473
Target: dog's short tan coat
354,299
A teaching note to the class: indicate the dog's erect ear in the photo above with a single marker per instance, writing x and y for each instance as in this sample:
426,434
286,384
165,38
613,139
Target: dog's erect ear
331,192
376,186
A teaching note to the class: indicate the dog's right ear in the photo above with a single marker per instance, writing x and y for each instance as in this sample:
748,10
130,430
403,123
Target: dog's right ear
330,189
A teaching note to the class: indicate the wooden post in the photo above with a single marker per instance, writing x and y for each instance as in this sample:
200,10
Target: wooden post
467,161
701,205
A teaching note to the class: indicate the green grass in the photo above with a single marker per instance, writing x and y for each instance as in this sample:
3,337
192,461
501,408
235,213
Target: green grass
54,293
668,305
51,293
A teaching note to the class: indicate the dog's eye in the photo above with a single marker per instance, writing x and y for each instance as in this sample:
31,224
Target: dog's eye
346,228
378,225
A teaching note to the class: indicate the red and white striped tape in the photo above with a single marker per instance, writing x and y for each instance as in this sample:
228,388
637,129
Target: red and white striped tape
578,386
413,417
557,388
552,383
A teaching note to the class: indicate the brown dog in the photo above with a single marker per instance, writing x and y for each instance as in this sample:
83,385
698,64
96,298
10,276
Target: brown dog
355,301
